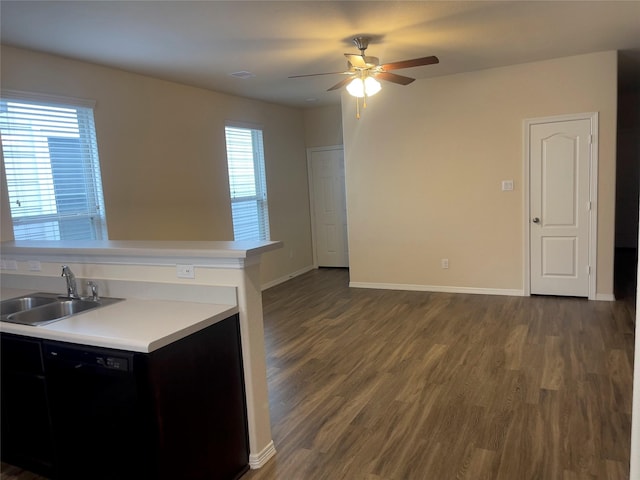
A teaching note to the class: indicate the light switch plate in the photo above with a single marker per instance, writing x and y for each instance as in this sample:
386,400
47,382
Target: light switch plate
507,185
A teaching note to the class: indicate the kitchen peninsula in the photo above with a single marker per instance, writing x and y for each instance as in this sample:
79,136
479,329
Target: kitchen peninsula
223,274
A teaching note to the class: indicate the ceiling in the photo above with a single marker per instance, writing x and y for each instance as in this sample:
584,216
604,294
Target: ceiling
202,43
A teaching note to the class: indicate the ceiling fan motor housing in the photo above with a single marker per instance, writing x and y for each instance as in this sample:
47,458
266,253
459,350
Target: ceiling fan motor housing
363,66
362,43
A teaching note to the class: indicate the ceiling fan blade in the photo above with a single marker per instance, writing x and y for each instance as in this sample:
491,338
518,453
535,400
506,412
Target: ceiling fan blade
356,60
316,74
340,84
394,78
416,62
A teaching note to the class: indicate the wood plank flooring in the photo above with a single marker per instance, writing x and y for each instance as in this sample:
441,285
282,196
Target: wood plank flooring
380,384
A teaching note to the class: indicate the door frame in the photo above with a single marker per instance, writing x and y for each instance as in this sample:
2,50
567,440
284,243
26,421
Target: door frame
310,151
593,195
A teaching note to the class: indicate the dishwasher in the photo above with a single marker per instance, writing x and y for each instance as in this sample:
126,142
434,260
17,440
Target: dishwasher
97,410
177,412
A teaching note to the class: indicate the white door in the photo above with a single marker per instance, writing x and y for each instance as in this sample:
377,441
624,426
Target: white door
560,207
329,207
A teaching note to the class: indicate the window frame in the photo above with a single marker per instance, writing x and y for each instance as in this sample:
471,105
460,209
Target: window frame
87,153
260,197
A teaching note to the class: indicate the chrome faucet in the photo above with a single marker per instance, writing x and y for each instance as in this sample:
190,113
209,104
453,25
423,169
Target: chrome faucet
72,288
93,287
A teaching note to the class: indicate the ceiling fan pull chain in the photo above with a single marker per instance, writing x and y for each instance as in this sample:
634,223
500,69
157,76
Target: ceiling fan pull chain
357,108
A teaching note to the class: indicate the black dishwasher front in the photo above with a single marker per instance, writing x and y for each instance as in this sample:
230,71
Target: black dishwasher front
97,413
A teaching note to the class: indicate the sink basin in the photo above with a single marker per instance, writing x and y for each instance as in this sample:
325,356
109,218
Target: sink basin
43,308
24,303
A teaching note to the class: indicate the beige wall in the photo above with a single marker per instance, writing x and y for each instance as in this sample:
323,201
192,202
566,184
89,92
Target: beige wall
323,126
425,162
163,158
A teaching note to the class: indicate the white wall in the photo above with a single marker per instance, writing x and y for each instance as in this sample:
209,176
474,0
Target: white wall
425,162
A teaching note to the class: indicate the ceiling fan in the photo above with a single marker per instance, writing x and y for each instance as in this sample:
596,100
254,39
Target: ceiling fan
362,68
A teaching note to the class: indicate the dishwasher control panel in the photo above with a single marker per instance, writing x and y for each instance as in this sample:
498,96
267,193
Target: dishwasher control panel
113,363
94,358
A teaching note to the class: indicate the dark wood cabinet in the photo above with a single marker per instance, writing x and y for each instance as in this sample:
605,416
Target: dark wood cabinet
199,405
25,421
177,412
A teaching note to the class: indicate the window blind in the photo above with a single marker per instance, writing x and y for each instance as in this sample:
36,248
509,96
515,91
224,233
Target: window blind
52,170
247,183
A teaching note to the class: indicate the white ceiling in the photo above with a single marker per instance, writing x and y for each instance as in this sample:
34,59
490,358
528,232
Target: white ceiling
202,42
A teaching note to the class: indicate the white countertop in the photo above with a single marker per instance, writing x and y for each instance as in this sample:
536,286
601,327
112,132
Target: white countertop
132,324
208,254
140,248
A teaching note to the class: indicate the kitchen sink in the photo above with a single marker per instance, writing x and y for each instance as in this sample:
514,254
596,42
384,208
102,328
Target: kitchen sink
24,303
42,308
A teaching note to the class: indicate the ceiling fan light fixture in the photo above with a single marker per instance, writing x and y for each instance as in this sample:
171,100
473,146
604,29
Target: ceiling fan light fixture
359,87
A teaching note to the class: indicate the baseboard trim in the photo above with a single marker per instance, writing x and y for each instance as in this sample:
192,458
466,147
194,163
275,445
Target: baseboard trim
605,297
280,280
440,288
258,460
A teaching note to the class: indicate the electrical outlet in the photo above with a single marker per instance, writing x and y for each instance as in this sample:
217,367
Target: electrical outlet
9,265
185,271
444,262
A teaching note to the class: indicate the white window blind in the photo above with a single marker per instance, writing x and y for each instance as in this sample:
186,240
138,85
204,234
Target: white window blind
247,183
52,170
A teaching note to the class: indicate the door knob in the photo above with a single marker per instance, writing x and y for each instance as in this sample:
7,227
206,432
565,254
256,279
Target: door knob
536,220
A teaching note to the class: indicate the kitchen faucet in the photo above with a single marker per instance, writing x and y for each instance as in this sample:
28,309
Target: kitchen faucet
72,288
93,287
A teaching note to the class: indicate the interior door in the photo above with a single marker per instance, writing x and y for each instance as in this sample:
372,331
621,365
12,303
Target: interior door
329,207
560,156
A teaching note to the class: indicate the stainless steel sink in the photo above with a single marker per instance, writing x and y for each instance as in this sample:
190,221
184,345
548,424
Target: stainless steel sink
42,308
24,303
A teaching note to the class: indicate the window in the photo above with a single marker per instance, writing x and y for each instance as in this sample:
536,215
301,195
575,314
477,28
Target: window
247,183
52,169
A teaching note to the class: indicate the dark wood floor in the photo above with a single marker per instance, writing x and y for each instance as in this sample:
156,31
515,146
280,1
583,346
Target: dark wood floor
373,384
379,384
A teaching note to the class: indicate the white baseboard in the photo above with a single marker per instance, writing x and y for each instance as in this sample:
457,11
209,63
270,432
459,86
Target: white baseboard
258,460
280,280
440,288
605,297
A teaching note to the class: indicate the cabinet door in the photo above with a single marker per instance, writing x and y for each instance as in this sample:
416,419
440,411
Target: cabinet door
26,426
199,403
